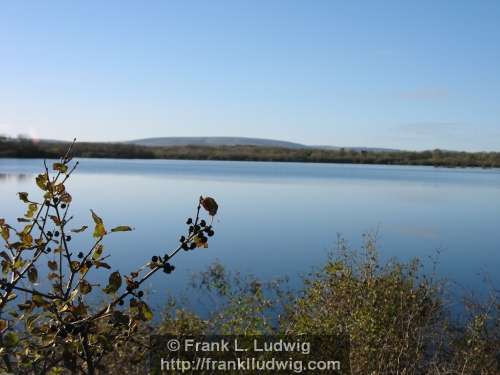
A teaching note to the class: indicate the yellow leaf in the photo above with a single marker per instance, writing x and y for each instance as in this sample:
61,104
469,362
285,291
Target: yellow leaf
5,232
26,239
99,230
97,252
32,207
41,181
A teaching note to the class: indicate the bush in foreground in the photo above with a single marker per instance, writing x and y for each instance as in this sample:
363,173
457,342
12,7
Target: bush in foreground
48,324
393,313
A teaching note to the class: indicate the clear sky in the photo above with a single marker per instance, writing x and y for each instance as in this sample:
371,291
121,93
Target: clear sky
404,74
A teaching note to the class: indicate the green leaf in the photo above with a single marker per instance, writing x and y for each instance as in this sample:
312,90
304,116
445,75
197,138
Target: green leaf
98,264
10,339
121,228
56,371
146,312
97,252
79,230
38,300
114,283
23,196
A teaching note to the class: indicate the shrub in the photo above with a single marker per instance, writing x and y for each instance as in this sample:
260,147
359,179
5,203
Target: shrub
395,315
55,328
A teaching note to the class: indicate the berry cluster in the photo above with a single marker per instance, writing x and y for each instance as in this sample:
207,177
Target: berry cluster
198,234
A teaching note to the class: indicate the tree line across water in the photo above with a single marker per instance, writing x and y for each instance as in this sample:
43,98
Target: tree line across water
27,148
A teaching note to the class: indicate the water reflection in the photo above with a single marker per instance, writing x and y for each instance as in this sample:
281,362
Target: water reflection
17,177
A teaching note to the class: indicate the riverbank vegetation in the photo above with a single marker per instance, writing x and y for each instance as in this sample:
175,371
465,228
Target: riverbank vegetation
397,317
27,148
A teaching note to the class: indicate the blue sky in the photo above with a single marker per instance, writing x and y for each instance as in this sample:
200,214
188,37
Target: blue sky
404,74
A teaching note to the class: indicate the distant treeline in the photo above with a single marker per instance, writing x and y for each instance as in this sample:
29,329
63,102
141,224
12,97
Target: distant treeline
26,148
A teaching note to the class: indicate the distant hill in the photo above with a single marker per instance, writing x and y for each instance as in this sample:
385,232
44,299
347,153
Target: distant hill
240,141
215,141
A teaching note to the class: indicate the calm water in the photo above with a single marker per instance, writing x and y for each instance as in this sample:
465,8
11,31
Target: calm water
279,219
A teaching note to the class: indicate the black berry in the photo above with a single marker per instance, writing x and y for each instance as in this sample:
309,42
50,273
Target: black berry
203,223
80,255
154,259
168,268
182,239
140,293
189,221
63,205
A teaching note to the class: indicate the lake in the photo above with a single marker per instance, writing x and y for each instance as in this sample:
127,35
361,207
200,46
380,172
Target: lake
280,219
